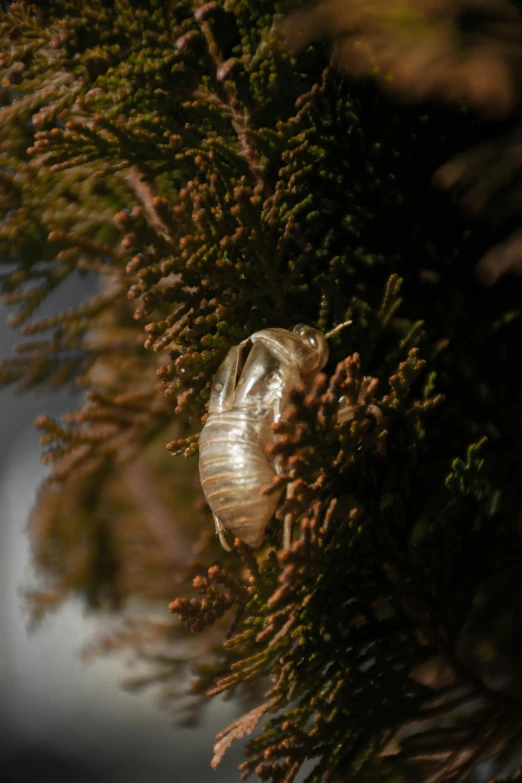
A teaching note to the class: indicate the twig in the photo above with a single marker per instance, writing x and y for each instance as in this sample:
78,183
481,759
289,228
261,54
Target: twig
141,188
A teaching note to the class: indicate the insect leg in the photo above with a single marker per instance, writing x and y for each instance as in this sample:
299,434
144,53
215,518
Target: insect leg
220,530
346,411
368,386
375,412
287,529
226,377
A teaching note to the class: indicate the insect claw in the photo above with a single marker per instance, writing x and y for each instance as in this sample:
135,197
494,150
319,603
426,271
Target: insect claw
220,530
223,541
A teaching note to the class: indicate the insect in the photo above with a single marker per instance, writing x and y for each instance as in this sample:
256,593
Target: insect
250,391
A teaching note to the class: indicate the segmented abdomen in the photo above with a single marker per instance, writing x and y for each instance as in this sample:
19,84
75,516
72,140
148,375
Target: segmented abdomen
234,470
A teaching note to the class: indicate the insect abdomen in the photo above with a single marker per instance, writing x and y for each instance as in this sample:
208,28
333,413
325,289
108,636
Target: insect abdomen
234,470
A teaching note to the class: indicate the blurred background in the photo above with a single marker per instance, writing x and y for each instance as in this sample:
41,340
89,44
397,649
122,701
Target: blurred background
61,718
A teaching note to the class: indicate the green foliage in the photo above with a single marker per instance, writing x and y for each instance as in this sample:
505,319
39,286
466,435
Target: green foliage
216,184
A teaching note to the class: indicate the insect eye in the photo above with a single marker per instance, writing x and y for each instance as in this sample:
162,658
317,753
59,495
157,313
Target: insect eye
300,330
307,335
314,339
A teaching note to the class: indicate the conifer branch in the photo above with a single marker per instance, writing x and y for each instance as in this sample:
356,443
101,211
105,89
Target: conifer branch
218,184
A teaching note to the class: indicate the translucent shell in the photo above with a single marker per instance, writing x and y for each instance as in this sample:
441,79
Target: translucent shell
249,393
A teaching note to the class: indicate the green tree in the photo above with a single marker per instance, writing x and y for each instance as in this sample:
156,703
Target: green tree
219,175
